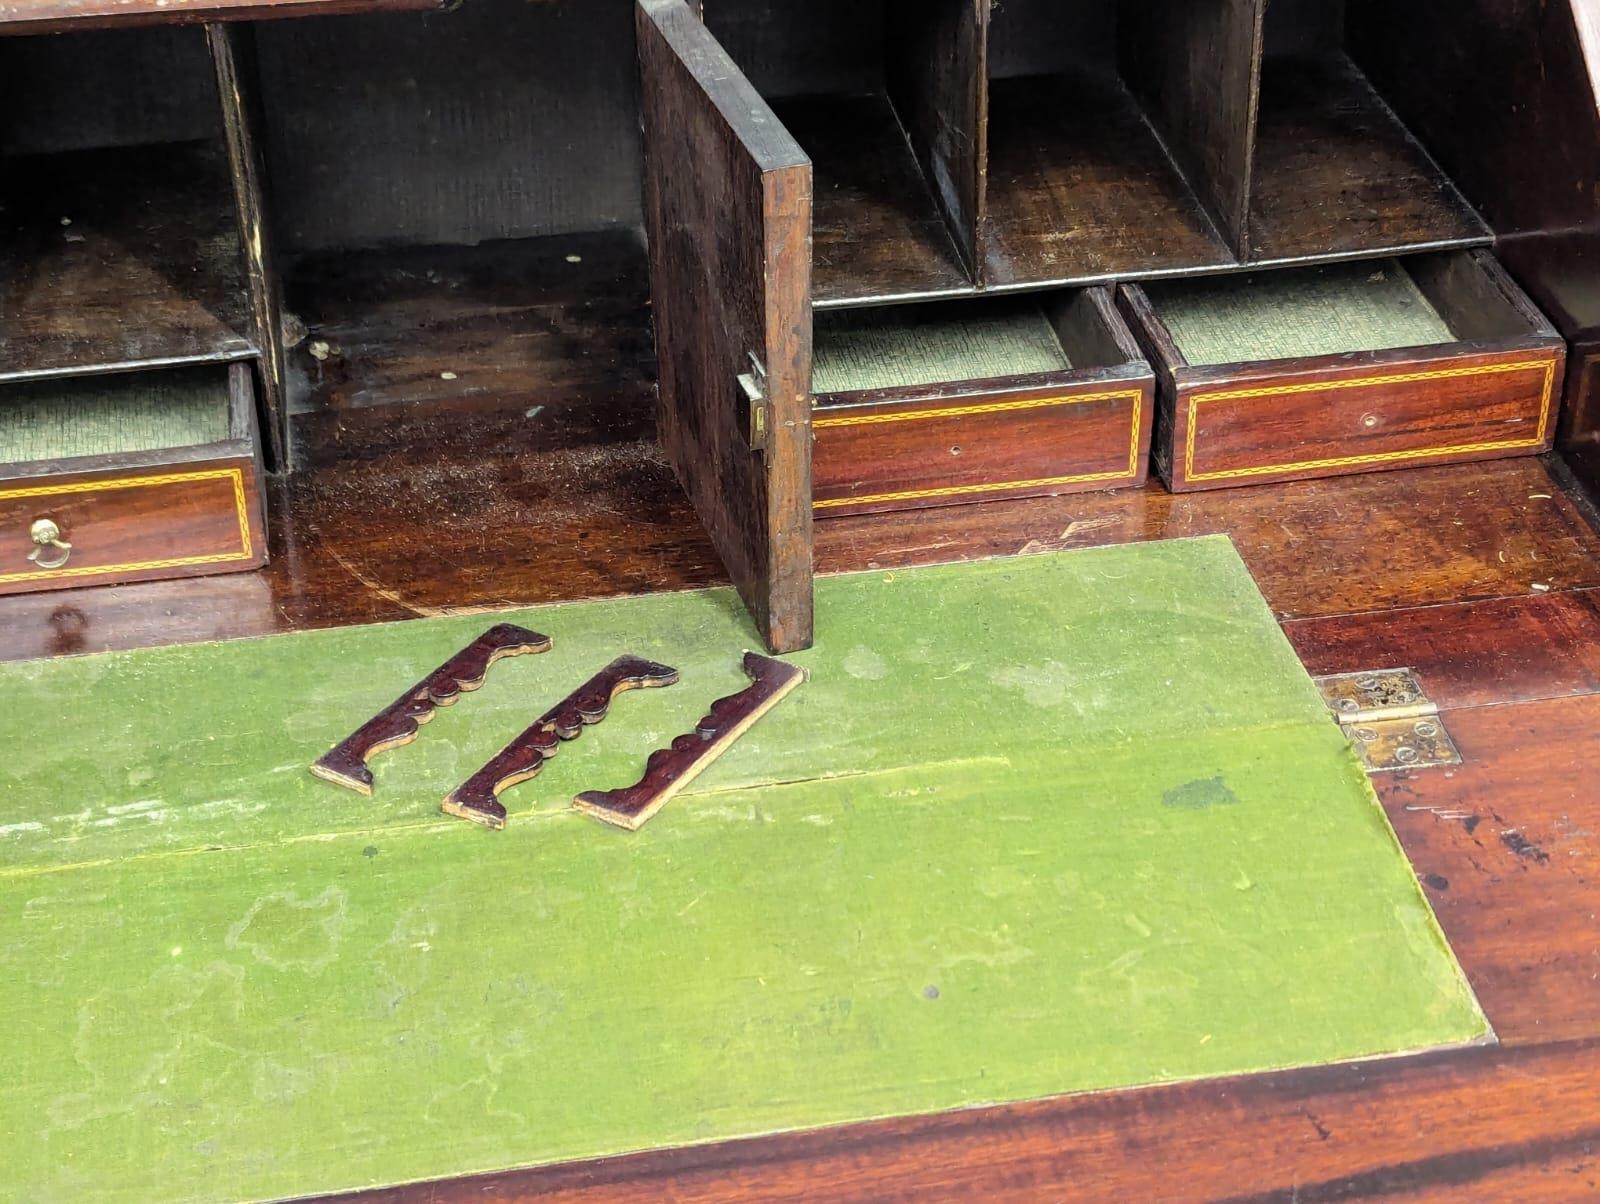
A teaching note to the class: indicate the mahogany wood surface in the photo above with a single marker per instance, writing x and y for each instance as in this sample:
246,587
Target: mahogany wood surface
939,446
203,515
1080,187
478,798
727,199
668,770
419,512
345,764
1495,393
59,16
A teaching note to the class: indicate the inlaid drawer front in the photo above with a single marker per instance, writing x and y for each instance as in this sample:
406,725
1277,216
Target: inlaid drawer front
1446,409
941,451
111,527
1351,367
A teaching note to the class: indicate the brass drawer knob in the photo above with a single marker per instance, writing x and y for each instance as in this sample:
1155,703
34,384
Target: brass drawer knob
46,534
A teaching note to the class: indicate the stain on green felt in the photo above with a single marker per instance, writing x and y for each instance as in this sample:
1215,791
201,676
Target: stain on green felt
946,871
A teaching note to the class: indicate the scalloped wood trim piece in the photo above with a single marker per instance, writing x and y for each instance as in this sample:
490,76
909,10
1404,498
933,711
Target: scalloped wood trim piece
345,764
670,769
478,798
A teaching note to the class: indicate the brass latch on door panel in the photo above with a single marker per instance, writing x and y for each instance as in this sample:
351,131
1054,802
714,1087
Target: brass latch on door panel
754,384
1390,721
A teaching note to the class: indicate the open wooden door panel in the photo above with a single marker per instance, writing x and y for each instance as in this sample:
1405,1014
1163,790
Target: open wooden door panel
727,207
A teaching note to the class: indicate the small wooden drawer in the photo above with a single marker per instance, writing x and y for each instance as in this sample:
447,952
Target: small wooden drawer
1353,367
129,478
928,405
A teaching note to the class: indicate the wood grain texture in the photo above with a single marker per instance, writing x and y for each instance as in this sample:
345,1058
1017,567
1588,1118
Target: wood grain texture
878,233
728,210
1506,103
668,770
233,58
1197,66
1335,173
971,441
1470,654
1494,393
88,238
399,723
478,798
1505,844
428,511
938,74
1081,189
535,322
60,16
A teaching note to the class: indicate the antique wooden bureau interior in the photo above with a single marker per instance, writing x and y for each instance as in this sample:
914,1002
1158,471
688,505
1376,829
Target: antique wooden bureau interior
878,255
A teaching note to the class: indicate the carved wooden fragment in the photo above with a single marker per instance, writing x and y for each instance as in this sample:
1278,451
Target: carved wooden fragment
346,763
477,798
670,769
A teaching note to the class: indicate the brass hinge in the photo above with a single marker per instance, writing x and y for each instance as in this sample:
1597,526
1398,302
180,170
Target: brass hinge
754,384
1390,720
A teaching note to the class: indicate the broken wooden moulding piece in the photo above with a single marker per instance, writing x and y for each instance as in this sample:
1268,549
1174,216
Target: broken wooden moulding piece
670,769
478,799
345,764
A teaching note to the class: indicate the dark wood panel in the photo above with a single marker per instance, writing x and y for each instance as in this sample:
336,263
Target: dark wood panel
56,16
1500,94
938,72
728,208
877,229
1335,173
499,119
1521,649
117,258
233,56
1195,64
531,321
1081,189
1505,845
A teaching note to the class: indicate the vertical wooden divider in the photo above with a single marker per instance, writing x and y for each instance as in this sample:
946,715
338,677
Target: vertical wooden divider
1196,67
233,57
938,76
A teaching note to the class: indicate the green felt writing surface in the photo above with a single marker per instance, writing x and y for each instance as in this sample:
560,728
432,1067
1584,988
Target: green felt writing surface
1053,824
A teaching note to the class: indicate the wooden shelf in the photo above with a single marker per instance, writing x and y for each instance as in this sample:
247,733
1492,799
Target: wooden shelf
512,322
1080,188
58,16
114,259
1337,175
877,233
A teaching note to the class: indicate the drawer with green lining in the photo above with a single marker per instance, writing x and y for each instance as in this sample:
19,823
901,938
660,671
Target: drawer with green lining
945,402
1351,367
129,477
